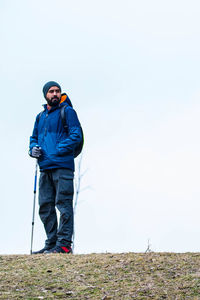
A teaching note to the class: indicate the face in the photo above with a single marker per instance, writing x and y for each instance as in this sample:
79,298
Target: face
53,96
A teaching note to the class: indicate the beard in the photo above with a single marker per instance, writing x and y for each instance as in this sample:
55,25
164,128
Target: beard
54,101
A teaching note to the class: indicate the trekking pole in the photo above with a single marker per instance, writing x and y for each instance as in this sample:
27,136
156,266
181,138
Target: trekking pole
35,186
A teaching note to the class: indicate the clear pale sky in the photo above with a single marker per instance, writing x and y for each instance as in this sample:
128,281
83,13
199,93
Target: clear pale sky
132,71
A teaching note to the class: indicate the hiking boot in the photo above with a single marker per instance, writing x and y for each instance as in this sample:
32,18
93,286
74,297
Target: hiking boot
59,249
42,250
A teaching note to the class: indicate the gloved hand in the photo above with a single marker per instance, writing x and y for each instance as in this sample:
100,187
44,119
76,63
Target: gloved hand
36,152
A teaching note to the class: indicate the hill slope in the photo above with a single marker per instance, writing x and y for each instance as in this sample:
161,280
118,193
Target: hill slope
101,276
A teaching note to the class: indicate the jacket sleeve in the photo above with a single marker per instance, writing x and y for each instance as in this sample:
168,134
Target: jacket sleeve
34,136
74,133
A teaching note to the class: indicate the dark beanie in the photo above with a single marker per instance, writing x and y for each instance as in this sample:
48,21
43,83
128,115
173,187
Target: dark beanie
48,85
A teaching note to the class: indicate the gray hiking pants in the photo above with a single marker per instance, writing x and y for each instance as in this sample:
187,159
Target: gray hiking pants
56,190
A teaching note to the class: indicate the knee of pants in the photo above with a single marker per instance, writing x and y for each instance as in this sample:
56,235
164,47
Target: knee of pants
45,211
65,208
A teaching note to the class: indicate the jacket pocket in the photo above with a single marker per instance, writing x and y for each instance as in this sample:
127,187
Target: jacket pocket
66,187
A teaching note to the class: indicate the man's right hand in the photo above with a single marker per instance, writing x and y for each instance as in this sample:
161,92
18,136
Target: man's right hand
36,152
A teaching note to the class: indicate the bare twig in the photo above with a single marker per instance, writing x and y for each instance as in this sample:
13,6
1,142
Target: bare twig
78,190
148,250
88,187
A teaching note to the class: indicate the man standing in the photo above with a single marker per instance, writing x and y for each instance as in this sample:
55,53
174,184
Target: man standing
54,147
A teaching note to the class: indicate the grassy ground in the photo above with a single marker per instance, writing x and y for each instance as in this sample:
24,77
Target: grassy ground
101,276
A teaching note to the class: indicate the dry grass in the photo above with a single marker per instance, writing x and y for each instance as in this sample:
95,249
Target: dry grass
101,276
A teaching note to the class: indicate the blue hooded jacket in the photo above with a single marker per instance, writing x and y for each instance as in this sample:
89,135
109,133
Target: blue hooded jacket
57,144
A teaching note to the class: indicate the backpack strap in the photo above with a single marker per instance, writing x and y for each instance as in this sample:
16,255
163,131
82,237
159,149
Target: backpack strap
63,118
